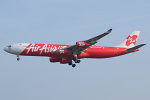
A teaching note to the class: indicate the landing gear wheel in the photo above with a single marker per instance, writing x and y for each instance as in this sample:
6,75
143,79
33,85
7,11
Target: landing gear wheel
77,61
73,65
18,59
70,63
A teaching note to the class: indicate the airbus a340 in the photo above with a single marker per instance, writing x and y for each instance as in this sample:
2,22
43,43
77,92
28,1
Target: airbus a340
71,54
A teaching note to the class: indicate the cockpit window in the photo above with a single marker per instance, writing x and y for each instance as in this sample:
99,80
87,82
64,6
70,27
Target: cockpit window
9,46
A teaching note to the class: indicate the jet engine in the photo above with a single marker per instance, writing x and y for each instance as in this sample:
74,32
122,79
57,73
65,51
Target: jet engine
51,59
82,44
64,61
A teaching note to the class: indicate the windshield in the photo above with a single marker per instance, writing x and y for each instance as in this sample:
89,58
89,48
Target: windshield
9,46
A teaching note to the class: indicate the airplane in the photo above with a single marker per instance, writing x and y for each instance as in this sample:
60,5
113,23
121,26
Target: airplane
71,54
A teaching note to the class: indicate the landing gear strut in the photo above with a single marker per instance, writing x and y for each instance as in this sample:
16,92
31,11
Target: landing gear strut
18,57
77,61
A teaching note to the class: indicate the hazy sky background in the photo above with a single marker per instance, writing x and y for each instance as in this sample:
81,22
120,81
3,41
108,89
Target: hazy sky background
65,22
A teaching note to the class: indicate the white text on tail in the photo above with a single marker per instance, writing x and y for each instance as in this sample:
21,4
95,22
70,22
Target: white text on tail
130,40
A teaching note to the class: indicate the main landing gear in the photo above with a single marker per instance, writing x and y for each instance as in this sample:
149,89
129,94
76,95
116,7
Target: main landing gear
70,63
18,58
73,65
76,60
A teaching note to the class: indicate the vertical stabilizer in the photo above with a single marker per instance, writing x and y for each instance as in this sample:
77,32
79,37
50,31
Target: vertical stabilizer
130,40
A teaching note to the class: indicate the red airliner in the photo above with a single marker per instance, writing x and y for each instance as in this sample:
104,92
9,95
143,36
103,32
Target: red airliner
66,54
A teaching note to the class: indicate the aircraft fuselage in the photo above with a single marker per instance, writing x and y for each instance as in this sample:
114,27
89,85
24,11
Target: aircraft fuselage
34,49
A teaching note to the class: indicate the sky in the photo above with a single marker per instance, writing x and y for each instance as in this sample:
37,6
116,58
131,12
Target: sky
125,77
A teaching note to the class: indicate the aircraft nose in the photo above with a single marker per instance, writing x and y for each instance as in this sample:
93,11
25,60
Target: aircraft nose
6,49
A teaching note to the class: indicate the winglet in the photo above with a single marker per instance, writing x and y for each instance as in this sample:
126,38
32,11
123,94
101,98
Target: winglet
109,30
134,48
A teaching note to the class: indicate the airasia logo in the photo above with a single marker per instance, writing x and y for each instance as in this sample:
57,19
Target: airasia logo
131,39
46,48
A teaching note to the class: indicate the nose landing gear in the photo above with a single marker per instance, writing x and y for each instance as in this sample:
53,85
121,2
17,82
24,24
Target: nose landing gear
18,58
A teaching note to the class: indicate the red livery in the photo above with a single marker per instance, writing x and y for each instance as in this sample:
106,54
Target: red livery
66,54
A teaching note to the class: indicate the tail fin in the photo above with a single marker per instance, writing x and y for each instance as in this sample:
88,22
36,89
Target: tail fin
130,40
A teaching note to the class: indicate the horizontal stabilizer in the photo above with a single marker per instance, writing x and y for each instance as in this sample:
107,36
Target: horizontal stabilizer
134,48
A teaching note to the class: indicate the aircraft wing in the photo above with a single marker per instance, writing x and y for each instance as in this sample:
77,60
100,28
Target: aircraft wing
95,39
82,45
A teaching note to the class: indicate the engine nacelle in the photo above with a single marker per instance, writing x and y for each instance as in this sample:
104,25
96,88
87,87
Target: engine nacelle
64,61
63,51
82,44
51,59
